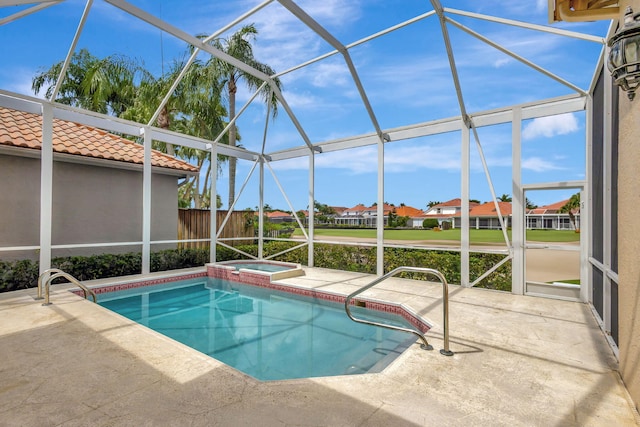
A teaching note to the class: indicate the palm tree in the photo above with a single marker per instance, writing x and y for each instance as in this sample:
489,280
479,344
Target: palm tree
572,206
239,47
120,86
102,85
505,198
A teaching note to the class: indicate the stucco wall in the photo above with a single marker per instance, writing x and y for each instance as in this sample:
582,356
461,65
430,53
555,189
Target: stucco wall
629,244
629,236
91,204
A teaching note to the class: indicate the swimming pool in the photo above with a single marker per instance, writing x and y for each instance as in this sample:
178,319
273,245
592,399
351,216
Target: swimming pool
265,333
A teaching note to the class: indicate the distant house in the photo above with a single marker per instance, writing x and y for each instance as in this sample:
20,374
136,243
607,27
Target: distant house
485,216
278,217
363,216
549,217
448,210
416,216
97,187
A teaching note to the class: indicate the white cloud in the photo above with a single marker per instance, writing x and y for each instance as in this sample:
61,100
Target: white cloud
538,164
398,160
550,126
501,62
330,75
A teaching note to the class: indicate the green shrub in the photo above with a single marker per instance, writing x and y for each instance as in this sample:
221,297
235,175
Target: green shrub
24,274
430,223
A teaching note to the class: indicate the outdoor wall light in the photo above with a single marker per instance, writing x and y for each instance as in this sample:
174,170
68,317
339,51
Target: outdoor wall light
624,56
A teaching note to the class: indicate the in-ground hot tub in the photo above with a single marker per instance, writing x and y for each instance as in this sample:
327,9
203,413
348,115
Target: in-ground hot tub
254,271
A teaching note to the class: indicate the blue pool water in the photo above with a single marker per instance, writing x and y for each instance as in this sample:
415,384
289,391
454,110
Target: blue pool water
267,334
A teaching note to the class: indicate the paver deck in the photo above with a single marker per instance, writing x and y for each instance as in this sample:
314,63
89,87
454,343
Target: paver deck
519,361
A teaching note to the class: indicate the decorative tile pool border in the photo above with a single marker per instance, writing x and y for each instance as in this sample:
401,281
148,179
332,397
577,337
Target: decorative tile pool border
260,279
139,283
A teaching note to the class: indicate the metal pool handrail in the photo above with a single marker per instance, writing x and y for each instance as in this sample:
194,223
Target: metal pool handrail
445,306
59,273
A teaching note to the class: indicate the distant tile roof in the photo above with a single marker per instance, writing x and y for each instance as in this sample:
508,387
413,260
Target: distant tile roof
357,208
550,209
20,129
452,202
489,209
278,214
409,211
339,209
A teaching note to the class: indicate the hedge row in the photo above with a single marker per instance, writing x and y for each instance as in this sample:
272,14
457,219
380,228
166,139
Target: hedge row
24,274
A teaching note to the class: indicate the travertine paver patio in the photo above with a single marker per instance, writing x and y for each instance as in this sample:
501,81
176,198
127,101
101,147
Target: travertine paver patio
519,361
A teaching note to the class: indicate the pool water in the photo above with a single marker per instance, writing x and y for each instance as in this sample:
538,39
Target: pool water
267,334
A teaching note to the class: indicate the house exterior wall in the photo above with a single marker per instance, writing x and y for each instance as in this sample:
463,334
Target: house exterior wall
451,210
91,204
629,243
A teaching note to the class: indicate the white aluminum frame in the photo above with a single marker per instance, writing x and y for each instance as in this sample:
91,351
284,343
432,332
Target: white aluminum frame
466,123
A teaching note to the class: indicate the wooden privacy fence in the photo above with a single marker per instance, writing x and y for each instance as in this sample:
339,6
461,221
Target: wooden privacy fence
196,224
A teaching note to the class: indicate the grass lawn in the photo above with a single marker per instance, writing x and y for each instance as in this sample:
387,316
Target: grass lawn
476,236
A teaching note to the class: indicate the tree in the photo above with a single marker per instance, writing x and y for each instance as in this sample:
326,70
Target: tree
432,204
572,206
323,209
505,198
239,47
104,85
120,86
529,204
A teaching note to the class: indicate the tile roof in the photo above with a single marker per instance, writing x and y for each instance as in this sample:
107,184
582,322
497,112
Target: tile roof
357,208
20,129
409,211
549,209
452,202
489,209
278,214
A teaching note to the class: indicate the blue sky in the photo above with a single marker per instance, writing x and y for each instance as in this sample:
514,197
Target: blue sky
406,76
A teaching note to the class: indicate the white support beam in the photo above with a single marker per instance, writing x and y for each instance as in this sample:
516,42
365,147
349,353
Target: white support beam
146,202
560,185
607,156
14,101
87,118
214,204
286,197
518,225
312,195
26,12
46,188
72,48
358,42
380,212
202,45
452,63
186,37
465,166
244,185
195,53
516,56
329,38
260,208
487,174
529,26
5,3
